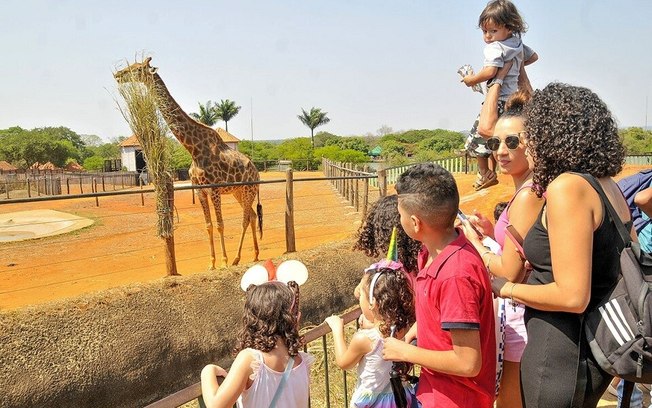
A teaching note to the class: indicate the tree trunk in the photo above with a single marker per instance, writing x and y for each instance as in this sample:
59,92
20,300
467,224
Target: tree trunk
170,257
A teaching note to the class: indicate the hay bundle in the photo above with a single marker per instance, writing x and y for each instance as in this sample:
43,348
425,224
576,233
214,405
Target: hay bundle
141,112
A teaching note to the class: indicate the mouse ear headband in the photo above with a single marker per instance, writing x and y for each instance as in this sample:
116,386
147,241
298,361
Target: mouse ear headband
390,262
286,271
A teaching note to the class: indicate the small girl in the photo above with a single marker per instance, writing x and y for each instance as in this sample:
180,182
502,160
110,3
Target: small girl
387,302
269,366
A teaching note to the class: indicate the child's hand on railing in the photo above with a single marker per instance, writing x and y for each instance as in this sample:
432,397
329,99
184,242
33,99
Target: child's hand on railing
335,323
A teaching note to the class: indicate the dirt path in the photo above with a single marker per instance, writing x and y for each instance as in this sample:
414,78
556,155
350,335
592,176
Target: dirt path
121,247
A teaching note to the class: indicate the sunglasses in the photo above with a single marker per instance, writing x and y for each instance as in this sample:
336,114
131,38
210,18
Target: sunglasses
511,141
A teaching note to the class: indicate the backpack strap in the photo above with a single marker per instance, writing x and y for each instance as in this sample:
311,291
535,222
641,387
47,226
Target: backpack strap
284,380
622,231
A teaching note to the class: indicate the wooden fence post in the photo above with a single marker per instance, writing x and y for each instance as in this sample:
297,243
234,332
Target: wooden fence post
103,186
29,188
290,243
365,192
142,196
81,187
382,182
97,199
7,188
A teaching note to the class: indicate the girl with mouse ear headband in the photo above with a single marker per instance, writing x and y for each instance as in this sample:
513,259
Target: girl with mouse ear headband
269,369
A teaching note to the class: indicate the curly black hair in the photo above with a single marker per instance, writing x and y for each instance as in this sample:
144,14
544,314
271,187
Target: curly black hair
393,299
271,313
571,129
375,232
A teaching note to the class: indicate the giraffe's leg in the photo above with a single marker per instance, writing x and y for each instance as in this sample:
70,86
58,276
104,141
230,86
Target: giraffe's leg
203,200
253,233
248,218
219,223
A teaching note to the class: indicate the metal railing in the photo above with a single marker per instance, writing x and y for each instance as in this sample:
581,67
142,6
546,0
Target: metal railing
193,392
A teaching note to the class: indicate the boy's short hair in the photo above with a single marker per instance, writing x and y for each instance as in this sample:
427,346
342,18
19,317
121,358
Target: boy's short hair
429,191
503,13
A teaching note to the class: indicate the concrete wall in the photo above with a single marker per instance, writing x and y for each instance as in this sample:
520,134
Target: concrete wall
130,346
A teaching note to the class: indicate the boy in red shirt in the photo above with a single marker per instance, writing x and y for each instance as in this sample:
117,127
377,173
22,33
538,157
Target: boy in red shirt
454,309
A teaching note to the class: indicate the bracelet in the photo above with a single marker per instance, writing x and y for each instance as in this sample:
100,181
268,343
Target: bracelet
487,265
511,296
496,81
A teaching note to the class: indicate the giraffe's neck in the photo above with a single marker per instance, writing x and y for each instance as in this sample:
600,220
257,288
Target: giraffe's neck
184,128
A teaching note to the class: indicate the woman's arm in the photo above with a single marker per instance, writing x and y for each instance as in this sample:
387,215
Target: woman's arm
572,213
523,213
347,357
489,111
225,395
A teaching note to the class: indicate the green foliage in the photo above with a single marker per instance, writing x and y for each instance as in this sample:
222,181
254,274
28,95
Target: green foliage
207,114
637,140
226,110
94,163
334,153
179,157
261,150
326,139
354,143
313,119
295,149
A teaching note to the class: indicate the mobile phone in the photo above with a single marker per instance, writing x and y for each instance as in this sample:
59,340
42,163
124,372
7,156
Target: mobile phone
463,218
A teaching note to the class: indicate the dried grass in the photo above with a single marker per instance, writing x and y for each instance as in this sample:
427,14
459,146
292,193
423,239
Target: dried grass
141,111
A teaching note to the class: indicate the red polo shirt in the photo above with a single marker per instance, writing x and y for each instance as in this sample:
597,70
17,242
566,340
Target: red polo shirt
454,292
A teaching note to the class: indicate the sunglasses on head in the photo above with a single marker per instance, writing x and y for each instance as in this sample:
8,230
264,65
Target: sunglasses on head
511,141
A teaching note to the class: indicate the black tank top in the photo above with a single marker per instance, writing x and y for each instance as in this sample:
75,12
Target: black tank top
605,259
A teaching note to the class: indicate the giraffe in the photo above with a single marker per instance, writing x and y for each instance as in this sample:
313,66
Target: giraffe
213,161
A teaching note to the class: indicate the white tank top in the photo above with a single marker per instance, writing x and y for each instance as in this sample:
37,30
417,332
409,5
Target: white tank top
296,390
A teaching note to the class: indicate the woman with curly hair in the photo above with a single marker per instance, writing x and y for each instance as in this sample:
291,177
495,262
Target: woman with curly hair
571,246
387,302
374,234
269,343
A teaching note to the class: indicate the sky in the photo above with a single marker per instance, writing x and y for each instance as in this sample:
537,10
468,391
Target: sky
367,63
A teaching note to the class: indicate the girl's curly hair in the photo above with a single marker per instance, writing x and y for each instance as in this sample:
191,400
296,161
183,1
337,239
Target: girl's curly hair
571,129
271,313
376,230
394,299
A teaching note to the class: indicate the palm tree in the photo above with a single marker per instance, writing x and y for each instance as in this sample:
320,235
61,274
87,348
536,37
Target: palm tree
313,119
226,110
206,115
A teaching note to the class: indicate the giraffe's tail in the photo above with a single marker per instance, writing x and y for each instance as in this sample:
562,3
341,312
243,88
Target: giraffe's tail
259,211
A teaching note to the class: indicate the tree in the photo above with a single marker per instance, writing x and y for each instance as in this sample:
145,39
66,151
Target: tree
226,110
313,119
207,114
637,140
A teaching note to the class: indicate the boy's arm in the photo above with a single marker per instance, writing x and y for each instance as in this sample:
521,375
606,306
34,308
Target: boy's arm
347,357
464,360
485,74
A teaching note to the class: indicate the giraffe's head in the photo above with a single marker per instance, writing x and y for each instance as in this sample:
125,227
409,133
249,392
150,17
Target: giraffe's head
138,71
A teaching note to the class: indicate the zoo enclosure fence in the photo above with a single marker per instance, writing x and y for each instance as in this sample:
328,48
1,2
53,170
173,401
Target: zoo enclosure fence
313,335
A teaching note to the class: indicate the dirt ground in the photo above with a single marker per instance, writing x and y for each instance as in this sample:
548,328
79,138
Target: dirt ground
121,246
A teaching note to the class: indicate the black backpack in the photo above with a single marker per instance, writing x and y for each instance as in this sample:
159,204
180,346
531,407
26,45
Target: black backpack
619,328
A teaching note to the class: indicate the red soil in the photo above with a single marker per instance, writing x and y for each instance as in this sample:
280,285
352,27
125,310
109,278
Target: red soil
121,247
